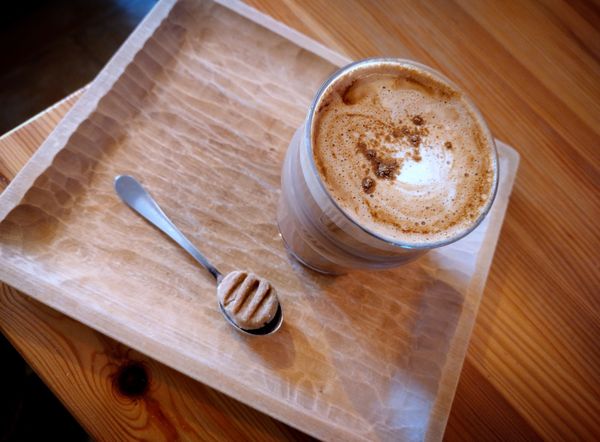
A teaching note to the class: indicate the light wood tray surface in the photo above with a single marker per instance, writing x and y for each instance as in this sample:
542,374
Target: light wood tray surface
200,104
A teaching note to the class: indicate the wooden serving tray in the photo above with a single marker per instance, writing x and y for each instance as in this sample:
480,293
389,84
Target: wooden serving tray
200,104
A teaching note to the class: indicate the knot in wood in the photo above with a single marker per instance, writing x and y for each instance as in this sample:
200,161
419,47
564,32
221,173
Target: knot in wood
132,379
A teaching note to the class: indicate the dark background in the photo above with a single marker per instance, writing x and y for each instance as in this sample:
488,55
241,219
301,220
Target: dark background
52,48
48,50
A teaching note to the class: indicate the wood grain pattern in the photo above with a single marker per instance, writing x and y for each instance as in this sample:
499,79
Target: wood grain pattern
18,145
188,101
541,293
87,370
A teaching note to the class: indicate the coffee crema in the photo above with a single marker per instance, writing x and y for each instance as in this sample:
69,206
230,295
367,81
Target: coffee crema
403,153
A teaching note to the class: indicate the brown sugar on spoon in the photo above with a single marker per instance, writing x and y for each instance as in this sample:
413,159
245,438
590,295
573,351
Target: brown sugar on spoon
250,301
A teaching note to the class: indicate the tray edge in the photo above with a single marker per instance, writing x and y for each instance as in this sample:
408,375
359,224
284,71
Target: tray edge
462,338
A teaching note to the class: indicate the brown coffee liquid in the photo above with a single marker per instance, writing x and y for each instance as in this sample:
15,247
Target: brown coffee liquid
403,153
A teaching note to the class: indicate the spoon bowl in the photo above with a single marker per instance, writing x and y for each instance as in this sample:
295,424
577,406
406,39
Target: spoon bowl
271,327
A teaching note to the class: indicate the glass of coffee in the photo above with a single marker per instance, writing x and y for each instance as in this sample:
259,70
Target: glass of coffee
392,160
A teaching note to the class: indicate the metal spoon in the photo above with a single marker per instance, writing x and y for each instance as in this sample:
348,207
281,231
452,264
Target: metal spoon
135,196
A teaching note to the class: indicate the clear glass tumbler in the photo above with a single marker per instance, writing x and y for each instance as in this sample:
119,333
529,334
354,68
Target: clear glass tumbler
316,231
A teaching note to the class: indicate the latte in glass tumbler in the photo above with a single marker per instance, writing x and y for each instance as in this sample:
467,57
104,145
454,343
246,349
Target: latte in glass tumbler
392,160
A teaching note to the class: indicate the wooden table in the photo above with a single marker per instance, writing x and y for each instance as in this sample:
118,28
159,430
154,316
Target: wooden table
533,366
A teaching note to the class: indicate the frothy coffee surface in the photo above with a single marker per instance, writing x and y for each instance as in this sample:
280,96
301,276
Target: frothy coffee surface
403,153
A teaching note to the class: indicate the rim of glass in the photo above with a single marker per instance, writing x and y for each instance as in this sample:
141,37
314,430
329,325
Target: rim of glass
308,131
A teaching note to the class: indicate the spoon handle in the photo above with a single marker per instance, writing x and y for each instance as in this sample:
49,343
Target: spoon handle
135,196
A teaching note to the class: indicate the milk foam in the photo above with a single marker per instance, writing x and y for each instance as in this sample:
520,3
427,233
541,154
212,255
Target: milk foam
403,153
